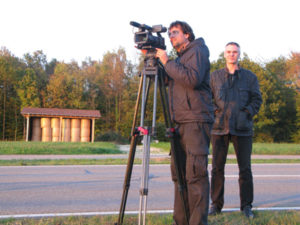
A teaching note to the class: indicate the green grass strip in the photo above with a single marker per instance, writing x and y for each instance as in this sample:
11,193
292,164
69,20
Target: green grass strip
258,148
232,218
54,162
64,148
57,148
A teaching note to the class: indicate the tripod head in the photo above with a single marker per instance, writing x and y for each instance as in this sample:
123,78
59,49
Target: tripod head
150,63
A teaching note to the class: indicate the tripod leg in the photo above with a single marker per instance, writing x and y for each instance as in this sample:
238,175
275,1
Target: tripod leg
175,144
144,179
146,155
136,108
131,156
133,143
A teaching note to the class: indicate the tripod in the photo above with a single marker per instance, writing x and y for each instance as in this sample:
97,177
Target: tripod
152,72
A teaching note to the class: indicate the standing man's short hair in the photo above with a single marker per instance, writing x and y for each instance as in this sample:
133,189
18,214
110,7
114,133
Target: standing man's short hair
186,29
233,43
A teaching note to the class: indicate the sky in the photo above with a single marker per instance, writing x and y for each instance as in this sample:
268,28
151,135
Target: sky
77,29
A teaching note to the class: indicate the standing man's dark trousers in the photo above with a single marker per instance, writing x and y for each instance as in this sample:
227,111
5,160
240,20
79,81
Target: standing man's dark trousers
194,139
243,148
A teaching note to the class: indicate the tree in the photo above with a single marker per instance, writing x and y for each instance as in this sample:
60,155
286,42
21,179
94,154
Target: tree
282,98
10,74
94,95
219,64
66,87
38,63
28,90
293,81
293,70
113,72
296,135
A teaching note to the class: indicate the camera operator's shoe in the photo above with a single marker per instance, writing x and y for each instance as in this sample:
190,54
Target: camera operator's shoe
213,211
247,211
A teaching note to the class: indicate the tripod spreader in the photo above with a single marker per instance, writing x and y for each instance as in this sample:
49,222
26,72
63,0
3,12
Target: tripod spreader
170,132
143,131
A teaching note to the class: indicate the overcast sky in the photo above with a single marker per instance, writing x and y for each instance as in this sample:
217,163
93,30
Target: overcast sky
77,29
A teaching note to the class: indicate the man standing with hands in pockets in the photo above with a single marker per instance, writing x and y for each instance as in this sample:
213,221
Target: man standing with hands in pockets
237,99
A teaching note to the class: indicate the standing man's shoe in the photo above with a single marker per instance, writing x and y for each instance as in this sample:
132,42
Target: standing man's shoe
247,211
213,211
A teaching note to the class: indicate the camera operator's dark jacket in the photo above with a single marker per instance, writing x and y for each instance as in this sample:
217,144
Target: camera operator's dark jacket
189,91
236,100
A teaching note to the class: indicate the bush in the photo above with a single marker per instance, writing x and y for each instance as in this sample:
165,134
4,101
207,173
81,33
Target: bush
161,132
296,137
112,136
263,138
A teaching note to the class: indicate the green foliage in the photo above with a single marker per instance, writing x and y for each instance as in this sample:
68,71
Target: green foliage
66,87
276,119
296,135
112,136
111,86
172,54
28,90
38,63
161,132
292,77
219,64
10,74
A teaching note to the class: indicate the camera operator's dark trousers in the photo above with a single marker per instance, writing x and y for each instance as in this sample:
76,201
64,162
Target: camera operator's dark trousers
243,148
194,140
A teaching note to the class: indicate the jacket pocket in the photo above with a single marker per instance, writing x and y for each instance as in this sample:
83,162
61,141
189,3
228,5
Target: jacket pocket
196,168
244,97
243,121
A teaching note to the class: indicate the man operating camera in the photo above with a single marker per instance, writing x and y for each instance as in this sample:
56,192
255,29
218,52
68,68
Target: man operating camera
190,103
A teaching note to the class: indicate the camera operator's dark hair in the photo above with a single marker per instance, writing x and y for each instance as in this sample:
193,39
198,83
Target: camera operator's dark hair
186,29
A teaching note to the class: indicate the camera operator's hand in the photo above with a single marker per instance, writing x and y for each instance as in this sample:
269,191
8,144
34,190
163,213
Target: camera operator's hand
162,55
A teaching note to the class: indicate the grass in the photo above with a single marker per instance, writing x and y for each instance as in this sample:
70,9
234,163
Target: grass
52,162
57,148
62,148
232,218
258,148
68,148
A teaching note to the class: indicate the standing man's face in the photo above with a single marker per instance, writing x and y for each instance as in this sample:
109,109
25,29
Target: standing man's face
232,54
178,38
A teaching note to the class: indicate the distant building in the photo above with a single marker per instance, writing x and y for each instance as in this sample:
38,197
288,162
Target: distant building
60,125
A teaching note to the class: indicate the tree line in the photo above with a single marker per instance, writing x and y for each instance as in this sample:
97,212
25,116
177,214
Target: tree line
110,85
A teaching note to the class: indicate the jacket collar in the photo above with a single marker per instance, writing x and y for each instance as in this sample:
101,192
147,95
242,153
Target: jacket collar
238,71
199,41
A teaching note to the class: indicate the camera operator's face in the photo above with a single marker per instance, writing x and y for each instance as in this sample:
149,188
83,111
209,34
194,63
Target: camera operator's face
232,54
178,38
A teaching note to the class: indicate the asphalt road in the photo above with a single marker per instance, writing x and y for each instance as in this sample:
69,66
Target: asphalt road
74,189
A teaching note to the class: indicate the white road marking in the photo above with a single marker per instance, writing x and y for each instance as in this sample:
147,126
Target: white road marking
264,176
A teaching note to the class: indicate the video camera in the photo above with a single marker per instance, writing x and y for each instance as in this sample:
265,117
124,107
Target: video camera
144,38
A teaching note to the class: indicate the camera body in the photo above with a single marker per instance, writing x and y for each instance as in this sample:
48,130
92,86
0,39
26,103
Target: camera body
145,39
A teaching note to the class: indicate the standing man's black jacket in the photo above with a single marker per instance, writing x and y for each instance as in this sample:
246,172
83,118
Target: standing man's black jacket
237,99
189,91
